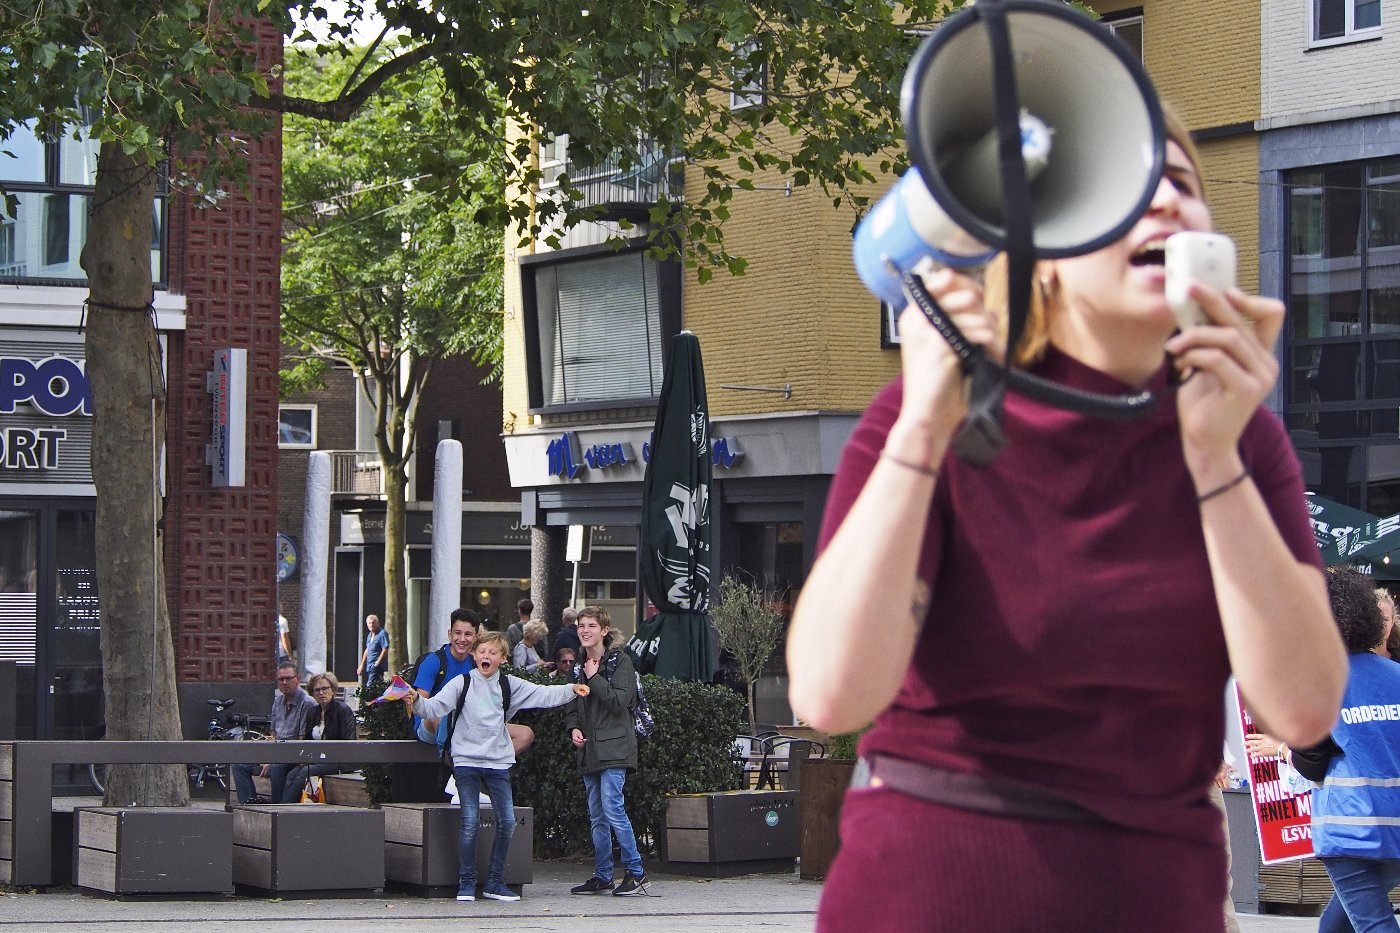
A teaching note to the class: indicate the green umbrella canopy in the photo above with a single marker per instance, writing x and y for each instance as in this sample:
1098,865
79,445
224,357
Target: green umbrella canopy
674,546
1351,536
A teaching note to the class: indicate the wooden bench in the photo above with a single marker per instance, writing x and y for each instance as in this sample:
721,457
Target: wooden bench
305,848
154,850
421,845
26,781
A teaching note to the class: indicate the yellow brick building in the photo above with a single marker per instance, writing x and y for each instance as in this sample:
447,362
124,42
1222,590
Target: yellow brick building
794,349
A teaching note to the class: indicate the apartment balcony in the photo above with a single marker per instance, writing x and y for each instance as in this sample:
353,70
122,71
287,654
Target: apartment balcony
356,473
628,192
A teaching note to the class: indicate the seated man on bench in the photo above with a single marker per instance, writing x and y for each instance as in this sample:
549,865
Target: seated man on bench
290,708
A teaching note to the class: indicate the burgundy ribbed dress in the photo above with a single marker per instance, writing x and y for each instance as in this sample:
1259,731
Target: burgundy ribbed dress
1073,643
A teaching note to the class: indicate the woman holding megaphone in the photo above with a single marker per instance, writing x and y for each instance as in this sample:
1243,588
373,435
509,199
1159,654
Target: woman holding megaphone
1060,622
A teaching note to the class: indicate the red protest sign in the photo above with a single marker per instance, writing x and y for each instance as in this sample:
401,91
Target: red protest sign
1282,819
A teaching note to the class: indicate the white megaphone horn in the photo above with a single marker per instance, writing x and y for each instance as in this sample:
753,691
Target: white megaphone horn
1091,132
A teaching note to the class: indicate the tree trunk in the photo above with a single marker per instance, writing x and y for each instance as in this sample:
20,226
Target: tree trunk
128,390
753,703
395,573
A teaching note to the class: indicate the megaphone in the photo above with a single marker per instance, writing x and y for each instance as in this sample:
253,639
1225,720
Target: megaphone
1092,138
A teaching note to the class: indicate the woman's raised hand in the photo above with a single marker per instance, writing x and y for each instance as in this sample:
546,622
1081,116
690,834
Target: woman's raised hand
934,402
1231,369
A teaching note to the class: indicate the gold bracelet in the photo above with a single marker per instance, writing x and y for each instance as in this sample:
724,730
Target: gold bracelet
919,468
1224,488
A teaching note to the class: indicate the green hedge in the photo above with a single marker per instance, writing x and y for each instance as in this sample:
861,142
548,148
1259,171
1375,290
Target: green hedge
691,751
382,721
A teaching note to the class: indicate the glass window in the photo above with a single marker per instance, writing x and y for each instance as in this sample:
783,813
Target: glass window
750,78
55,229
51,182
22,156
554,152
1337,19
1343,380
599,329
77,158
1129,30
296,426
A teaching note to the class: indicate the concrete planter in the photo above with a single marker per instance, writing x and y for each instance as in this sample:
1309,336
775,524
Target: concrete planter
731,832
154,850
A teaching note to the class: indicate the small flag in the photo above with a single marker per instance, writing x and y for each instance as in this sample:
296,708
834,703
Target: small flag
397,690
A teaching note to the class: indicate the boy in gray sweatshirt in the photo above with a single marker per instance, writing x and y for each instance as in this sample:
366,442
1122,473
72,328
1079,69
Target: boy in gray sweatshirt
482,754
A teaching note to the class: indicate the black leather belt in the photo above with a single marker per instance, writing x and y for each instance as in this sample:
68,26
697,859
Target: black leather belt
969,791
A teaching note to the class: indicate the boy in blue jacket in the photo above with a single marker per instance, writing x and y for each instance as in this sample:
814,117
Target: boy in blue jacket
482,754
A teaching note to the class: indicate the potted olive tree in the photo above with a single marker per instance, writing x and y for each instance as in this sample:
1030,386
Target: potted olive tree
750,627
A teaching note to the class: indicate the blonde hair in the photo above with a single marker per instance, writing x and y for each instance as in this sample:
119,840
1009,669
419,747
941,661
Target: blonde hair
493,638
535,628
327,676
1035,335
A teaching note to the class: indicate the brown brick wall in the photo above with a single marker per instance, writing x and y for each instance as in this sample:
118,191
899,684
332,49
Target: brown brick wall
456,393
220,542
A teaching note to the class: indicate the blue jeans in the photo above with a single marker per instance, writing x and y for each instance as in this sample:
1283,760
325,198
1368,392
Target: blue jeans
243,781
469,785
430,736
1360,904
608,818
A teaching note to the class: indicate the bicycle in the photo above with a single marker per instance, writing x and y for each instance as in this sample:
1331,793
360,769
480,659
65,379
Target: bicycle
239,729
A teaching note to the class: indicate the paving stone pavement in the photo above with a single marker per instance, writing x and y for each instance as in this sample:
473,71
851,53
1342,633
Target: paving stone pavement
754,902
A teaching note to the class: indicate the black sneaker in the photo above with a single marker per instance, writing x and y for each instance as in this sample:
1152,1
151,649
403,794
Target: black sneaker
631,885
594,885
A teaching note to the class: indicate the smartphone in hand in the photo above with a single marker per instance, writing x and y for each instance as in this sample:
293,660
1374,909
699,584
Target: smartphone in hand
1203,257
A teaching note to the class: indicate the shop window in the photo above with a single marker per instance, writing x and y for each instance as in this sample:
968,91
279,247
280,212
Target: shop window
296,426
597,326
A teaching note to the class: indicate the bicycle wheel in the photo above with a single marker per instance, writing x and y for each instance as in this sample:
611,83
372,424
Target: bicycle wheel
97,774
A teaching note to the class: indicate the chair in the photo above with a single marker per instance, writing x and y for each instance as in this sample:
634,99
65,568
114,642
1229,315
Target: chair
782,761
751,757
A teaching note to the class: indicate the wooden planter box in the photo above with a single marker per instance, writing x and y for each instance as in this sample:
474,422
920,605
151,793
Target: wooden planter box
308,847
154,850
731,832
824,783
421,843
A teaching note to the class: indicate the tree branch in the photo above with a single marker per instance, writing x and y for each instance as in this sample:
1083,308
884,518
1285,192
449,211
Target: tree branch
343,107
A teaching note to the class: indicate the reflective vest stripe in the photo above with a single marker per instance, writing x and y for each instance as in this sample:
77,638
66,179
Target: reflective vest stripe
1361,782
1357,820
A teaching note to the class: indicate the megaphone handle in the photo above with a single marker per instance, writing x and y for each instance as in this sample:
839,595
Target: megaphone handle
1113,407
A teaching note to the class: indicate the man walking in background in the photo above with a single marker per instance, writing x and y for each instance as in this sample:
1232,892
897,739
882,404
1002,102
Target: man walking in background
516,630
375,660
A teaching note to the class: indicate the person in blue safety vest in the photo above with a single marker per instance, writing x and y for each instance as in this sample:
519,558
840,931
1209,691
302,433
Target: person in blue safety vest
1356,808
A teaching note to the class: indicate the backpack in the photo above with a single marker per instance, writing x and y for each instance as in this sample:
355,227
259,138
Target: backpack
445,749
441,677
642,720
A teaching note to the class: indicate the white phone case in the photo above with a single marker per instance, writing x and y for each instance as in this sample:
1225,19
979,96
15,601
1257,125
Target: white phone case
1204,257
